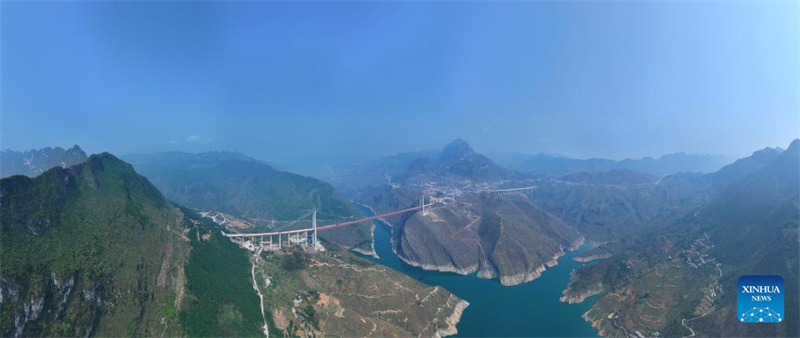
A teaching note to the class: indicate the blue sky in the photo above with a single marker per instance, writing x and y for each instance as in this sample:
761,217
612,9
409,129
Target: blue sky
284,81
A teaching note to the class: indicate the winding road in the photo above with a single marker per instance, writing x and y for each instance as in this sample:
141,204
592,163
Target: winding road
258,291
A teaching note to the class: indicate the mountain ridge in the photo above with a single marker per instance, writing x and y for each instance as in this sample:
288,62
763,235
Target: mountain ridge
667,164
36,161
95,249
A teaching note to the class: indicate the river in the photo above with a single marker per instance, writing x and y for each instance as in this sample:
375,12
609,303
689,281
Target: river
529,309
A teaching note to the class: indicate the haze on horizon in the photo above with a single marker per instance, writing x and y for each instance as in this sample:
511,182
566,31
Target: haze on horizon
288,81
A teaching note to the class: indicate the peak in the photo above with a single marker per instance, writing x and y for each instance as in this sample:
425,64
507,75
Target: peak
457,150
105,156
457,147
794,146
76,151
458,141
99,161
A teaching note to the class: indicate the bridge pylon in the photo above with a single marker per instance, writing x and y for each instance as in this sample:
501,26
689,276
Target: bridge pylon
314,226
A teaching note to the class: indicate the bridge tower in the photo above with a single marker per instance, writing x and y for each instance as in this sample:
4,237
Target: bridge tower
314,226
422,203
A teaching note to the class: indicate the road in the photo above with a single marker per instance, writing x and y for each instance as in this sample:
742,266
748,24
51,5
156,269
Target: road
258,291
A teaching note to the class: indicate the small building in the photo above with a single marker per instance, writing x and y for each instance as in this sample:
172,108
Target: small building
298,301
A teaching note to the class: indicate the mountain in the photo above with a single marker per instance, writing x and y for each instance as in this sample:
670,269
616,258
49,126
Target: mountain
555,165
95,249
34,162
457,164
503,237
611,177
457,161
378,172
610,205
607,206
743,167
235,184
471,228
682,279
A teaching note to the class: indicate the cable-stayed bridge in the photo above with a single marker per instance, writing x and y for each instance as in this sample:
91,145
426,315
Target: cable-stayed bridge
281,236
275,239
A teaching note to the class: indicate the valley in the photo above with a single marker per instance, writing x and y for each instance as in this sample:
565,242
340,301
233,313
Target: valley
529,309
343,169
510,225
619,253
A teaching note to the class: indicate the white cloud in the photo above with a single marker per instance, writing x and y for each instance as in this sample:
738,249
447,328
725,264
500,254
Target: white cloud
173,142
192,138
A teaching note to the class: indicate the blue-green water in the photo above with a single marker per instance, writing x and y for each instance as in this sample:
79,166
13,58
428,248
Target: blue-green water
529,309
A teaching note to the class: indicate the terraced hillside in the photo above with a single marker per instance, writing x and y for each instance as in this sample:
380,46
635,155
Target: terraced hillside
338,294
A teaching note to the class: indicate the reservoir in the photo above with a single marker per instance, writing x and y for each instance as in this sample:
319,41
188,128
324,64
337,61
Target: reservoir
529,309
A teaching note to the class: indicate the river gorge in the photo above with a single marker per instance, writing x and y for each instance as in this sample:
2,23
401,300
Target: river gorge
528,309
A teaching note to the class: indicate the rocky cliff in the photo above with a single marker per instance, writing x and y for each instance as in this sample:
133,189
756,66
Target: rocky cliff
504,237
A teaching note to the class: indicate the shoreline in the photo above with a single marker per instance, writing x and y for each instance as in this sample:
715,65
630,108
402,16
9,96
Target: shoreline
453,324
505,280
453,320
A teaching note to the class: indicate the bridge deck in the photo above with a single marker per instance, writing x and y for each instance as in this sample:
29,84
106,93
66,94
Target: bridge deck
332,226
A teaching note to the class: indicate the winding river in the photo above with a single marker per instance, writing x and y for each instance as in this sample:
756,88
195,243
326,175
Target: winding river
529,309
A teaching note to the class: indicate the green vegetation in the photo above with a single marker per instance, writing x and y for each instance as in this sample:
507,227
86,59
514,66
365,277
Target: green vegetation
68,233
296,261
223,302
98,250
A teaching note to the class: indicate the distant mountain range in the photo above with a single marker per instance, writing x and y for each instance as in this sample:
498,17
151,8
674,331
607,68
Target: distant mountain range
34,162
555,165
743,167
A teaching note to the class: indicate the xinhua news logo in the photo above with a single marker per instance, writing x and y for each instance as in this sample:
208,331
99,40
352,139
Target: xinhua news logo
760,299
